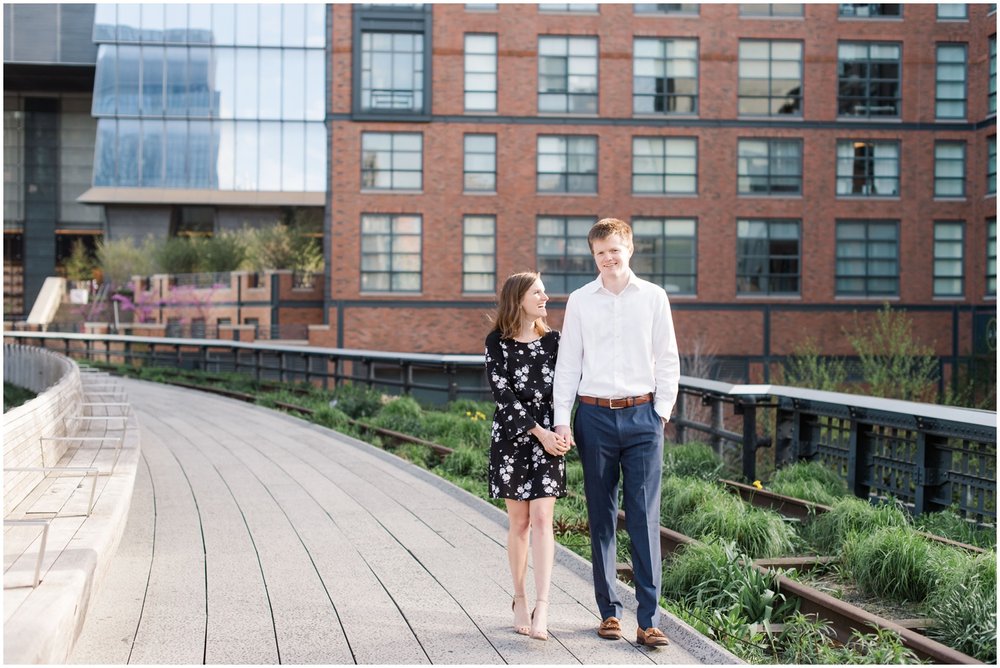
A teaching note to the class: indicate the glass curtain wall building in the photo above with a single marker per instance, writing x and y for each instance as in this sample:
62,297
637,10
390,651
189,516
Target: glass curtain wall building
219,98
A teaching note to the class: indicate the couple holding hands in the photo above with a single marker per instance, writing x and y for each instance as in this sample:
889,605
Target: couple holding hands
617,356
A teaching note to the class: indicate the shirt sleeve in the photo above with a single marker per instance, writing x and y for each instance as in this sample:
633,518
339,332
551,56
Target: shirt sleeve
666,360
510,415
569,364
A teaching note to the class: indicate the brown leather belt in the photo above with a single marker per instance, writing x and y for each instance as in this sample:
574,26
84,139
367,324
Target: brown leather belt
615,404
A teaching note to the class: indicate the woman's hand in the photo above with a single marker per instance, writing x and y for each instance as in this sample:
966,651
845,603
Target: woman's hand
552,443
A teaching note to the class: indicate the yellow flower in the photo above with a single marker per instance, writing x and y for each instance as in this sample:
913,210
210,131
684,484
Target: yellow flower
756,483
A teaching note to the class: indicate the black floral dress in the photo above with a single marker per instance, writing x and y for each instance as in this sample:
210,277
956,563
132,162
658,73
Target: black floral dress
520,376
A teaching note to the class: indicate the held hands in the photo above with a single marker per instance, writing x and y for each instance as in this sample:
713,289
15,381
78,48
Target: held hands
554,443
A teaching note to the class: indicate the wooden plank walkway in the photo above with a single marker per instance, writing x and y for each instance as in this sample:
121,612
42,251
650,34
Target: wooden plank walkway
255,537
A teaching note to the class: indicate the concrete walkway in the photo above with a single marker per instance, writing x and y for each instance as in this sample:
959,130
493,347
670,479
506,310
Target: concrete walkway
255,537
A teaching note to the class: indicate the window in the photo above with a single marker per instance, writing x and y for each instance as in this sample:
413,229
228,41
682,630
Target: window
567,164
665,76
666,253
392,71
666,165
868,79
950,91
769,167
392,160
481,7
776,10
991,257
567,75
770,78
952,11
689,9
480,72
991,93
867,258
949,265
868,168
767,257
479,253
865,11
568,7
991,165
390,252
564,257
480,163
949,169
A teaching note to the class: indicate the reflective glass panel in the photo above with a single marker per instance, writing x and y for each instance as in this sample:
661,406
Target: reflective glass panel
176,153
293,157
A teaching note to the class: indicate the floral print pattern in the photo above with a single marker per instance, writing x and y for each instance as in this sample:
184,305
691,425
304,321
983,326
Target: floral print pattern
520,376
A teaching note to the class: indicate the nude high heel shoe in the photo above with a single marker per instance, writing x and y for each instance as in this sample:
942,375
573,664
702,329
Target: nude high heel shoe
522,629
543,633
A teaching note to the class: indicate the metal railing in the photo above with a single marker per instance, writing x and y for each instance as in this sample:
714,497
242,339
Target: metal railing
925,455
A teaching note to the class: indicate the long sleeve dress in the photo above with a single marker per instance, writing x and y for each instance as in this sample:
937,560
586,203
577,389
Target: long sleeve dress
520,376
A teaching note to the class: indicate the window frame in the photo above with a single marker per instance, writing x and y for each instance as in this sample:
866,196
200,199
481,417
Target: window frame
665,142
868,81
746,14
568,279
375,171
869,17
869,177
466,218
991,165
566,154
686,9
991,257
940,261
393,217
963,17
868,258
665,62
466,72
771,62
663,258
939,82
745,279
940,161
991,88
466,172
769,143
565,92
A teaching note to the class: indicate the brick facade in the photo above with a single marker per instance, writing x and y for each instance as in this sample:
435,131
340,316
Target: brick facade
440,318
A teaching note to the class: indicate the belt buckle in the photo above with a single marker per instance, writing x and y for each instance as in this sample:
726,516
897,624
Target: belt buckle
623,404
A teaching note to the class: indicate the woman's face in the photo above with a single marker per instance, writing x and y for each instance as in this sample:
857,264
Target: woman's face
534,300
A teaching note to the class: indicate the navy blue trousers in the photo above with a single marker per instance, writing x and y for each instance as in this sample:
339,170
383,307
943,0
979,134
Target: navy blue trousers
623,444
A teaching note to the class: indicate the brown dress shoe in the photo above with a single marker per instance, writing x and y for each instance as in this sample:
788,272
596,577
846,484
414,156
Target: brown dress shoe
651,637
610,629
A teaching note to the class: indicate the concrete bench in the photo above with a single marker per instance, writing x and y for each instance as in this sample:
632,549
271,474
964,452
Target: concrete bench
70,457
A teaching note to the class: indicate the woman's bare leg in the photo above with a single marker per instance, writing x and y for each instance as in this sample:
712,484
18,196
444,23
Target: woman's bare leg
543,554
518,532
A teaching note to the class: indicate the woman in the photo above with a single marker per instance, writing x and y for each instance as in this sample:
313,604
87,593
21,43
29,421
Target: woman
527,467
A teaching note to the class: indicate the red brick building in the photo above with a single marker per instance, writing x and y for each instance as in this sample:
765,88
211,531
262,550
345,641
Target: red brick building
786,168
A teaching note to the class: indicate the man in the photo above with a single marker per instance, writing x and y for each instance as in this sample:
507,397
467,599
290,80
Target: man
619,352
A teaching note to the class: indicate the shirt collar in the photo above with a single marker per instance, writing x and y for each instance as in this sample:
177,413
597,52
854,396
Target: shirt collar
633,281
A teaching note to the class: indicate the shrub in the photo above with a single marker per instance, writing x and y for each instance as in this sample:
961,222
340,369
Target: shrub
357,401
178,255
79,265
122,259
680,497
806,367
417,454
402,414
466,461
696,460
755,532
226,251
893,361
893,562
332,418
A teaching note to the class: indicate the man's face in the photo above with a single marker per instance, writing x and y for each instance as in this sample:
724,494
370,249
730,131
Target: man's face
612,255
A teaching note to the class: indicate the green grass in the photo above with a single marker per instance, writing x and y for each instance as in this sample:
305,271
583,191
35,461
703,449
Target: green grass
850,515
696,460
949,524
14,396
812,481
892,562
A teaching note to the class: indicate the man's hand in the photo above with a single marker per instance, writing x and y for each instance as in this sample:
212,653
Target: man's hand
567,433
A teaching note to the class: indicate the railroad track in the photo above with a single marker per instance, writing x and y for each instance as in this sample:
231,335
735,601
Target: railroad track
843,617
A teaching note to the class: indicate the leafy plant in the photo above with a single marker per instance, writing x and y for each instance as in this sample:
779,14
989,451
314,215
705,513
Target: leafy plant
402,414
357,401
882,647
965,618
893,361
466,461
79,265
226,251
804,640
807,367
121,259
178,255
950,524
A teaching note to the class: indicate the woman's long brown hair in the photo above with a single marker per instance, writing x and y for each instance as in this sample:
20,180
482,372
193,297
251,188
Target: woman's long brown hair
508,316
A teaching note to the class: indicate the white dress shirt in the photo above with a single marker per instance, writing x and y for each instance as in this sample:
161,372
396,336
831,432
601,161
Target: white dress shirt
615,346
